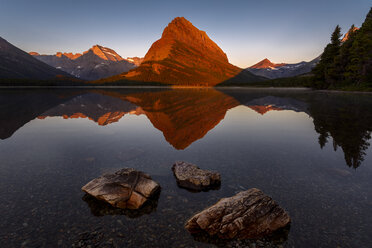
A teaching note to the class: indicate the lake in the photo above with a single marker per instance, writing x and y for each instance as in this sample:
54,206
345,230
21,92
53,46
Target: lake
310,151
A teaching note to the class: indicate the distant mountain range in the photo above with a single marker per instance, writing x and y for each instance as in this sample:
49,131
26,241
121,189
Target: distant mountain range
96,63
184,55
17,64
267,69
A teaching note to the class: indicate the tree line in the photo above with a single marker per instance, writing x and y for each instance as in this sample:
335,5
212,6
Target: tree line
349,62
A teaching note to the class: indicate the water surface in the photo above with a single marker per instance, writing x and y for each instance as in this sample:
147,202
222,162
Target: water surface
310,151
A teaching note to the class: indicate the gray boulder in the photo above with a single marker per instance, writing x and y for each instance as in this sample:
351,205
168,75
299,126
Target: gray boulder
191,177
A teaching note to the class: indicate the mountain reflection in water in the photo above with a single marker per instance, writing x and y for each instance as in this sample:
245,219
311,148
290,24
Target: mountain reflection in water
187,115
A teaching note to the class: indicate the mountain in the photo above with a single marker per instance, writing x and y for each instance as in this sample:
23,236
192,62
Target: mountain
96,63
347,35
68,55
135,60
185,55
266,64
15,63
269,70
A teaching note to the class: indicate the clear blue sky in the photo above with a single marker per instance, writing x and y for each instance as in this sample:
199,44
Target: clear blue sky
248,31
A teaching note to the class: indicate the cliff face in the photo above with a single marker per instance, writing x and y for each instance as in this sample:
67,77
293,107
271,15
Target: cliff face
184,55
347,35
182,31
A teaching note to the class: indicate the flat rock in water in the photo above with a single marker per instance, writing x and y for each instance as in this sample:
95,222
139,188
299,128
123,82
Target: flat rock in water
191,177
248,215
126,188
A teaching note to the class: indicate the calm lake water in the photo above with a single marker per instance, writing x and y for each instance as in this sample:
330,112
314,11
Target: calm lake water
310,151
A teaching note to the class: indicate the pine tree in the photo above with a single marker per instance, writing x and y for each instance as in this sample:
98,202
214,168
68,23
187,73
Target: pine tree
347,63
360,63
336,37
346,72
326,70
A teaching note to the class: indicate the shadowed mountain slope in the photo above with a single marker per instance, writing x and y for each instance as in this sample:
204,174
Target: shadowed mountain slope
15,64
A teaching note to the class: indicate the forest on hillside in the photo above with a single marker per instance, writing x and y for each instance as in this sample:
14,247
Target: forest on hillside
349,63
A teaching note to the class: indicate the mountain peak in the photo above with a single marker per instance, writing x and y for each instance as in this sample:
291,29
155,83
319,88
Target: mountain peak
68,55
179,25
105,53
346,36
181,20
185,55
34,53
266,63
180,30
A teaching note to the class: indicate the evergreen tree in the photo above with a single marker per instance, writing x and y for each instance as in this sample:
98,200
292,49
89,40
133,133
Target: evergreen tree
360,63
346,73
326,70
347,63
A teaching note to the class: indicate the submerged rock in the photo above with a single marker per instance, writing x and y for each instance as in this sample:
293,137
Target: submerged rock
126,188
248,215
191,177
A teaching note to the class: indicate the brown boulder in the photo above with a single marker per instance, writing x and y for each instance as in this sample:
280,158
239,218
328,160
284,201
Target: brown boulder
248,215
191,177
126,188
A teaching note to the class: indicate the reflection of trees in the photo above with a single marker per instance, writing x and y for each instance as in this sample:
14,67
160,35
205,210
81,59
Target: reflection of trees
344,117
18,107
184,116
348,120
